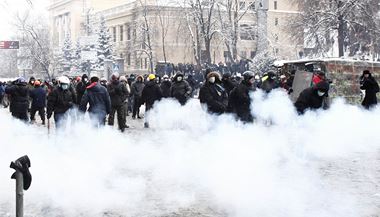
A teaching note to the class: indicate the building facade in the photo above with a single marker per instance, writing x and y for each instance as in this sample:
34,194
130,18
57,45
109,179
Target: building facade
147,31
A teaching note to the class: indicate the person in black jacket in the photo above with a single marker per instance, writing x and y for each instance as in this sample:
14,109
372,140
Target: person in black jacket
118,93
19,99
240,100
99,100
371,87
38,95
213,95
60,101
165,86
136,92
228,83
180,89
313,97
269,82
150,94
81,87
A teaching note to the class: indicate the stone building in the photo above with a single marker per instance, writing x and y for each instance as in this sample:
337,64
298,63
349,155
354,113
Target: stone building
151,31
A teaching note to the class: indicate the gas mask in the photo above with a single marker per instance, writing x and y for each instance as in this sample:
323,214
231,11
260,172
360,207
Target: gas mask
64,86
320,93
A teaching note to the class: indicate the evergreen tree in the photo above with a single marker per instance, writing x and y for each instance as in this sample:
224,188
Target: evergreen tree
77,56
104,47
67,54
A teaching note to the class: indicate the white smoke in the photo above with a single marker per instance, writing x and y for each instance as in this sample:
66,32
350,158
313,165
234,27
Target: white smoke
322,164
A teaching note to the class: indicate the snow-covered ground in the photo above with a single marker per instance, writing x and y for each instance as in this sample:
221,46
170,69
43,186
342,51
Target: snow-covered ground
189,163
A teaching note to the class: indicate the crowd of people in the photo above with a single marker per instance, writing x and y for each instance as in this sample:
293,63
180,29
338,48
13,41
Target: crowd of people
124,95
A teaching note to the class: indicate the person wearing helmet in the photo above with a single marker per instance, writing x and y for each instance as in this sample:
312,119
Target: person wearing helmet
180,89
38,95
99,100
228,83
269,82
150,94
119,94
213,95
60,101
19,99
313,97
136,93
240,100
165,86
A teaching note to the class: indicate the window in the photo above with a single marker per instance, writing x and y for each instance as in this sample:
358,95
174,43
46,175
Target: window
121,33
251,6
121,55
242,6
275,5
277,51
146,63
247,32
128,59
276,38
253,54
128,33
243,54
276,21
114,34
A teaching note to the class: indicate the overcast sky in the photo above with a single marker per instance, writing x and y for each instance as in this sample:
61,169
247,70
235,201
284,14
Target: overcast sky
10,7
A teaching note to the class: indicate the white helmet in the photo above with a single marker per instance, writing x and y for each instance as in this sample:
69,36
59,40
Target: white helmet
63,80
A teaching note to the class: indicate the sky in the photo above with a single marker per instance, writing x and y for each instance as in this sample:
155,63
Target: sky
8,9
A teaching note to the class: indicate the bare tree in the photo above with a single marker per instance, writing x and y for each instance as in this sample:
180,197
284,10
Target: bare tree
203,14
350,22
35,38
230,13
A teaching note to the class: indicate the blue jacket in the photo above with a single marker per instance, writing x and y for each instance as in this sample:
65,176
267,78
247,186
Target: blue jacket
38,96
97,96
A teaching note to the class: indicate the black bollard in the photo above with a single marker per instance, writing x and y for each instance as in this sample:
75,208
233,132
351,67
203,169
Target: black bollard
23,181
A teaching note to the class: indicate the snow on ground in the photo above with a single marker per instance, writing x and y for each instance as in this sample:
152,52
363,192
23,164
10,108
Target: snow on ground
323,164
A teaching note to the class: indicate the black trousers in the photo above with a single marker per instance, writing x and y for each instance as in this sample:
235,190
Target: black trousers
41,113
136,107
21,115
121,119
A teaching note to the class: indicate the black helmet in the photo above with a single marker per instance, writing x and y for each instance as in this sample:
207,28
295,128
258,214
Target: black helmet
227,75
248,75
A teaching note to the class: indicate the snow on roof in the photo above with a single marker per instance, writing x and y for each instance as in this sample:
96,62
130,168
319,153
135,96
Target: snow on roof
280,63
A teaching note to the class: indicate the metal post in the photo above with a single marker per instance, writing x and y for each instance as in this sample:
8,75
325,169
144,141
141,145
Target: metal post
19,194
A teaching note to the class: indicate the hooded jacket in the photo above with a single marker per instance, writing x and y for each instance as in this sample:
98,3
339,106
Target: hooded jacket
213,95
118,93
97,96
59,100
180,90
150,94
38,96
309,98
19,97
137,87
240,101
371,87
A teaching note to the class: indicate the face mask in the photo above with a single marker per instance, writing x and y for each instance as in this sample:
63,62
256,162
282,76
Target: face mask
179,78
211,80
64,86
166,79
320,93
85,80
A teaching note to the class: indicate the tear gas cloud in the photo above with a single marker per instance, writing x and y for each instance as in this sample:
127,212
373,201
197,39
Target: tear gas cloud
322,164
